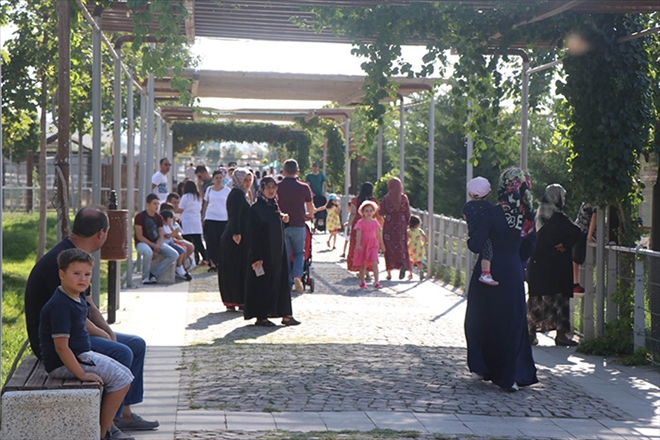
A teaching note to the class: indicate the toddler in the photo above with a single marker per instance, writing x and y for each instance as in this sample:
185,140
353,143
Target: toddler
416,246
333,221
478,188
369,240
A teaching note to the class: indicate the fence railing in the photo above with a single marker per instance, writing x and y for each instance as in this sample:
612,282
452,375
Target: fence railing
26,199
635,271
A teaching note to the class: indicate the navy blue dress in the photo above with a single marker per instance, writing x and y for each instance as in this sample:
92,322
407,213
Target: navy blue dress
496,317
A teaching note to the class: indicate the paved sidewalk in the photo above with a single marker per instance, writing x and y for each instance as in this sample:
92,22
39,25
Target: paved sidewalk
361,360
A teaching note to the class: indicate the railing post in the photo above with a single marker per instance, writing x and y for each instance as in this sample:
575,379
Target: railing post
588,299
113,273
459,252
612,310
639,328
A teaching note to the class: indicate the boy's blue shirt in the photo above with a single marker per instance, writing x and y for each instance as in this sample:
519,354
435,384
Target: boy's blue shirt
63,316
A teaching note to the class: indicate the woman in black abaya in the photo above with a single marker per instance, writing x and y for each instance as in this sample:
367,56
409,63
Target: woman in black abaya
267,291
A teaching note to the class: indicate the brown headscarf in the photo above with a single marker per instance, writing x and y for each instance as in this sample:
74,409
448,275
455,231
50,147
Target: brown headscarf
395,191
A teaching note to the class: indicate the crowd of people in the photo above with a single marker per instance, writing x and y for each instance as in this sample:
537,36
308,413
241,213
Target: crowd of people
251,229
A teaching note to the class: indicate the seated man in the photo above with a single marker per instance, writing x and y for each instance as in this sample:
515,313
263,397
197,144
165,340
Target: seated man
65,343
148,226
89,232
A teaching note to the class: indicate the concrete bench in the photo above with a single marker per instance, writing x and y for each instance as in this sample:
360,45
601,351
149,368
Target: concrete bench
35,406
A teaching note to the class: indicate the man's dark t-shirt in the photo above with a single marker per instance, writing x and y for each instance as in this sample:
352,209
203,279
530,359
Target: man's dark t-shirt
149,225
291,196
41,283
63,316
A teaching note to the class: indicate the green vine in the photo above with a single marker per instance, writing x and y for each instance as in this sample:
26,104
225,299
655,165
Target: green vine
609,93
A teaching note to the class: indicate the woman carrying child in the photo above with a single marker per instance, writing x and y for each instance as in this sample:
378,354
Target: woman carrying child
368,240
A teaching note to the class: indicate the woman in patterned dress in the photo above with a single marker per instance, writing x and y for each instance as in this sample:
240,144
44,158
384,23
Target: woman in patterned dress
396,210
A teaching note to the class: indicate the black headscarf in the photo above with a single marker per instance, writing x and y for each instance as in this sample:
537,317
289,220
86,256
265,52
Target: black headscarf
272,203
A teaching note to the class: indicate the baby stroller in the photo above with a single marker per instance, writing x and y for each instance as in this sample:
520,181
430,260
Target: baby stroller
320,217
307,279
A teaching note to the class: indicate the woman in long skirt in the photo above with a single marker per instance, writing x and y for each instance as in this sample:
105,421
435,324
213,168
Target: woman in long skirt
268,293
396,210
233,251
498,346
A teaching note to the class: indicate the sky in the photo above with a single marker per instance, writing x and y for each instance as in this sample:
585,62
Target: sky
284,57
269,56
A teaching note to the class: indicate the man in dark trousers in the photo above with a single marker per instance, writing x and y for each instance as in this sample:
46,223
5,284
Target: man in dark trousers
90,230
295,199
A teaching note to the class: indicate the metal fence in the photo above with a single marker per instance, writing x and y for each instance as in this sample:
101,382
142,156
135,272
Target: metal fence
26,199
632,273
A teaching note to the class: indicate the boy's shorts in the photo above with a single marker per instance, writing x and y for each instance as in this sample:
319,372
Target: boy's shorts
115,376
177,248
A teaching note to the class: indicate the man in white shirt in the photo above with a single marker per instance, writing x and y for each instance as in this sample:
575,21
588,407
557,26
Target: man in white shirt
159,180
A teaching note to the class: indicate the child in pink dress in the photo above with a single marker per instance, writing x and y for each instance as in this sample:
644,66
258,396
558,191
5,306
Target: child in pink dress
369,241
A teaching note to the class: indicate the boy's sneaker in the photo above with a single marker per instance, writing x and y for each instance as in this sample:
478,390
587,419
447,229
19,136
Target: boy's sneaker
187,277
151,280
180,272
298,285
487,279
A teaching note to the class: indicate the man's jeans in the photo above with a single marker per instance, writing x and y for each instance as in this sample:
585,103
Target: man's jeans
294,241
129,350
165,258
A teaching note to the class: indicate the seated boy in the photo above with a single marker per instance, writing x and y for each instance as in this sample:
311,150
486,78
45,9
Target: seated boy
65,345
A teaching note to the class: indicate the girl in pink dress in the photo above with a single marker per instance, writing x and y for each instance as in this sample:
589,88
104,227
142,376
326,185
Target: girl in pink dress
369,240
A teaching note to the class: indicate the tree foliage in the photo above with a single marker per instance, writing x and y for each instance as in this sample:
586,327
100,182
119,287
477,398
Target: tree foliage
609,89
296,142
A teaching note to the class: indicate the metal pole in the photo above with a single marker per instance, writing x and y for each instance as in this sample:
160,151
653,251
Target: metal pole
600,271
116,138
63,114
402,122
113,273
150,133
169,152
2,206
524,115
431,241
142,169
347,166
379,162
469,172
96,142
130,178
159,141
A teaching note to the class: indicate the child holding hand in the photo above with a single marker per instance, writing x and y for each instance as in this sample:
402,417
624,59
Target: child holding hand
66,348
369,240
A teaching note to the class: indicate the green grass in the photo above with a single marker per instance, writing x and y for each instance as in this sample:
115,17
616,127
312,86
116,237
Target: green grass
19,245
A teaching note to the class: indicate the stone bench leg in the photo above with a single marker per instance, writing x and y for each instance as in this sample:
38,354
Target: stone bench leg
167,277
51,414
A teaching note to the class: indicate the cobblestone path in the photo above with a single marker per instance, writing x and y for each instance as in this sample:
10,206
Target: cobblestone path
397,349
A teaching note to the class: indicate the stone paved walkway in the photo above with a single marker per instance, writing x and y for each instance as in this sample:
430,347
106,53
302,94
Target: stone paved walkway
397,349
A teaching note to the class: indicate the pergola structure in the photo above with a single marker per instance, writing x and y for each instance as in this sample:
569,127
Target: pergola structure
262,20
